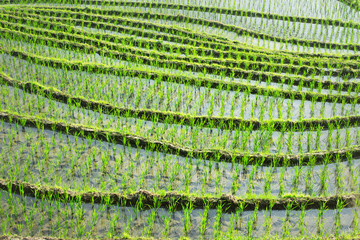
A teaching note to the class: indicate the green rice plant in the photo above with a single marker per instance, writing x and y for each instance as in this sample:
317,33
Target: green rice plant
204,218
295,180
268,180
301,223
250,180
324,178
320,223
167,219
340,178
281,181
230,232
249,226
174,172
337,213
267,220
113,224
235,176
309,184
187,209
286,221
354,178
356,219
217,224
187,174
218,185
150,222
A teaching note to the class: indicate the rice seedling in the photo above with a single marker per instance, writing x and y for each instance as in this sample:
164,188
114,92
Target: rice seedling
187,218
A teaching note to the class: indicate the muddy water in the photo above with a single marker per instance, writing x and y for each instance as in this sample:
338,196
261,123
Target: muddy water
82,164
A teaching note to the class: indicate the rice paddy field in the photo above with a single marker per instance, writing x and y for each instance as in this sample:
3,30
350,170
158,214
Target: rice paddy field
180,119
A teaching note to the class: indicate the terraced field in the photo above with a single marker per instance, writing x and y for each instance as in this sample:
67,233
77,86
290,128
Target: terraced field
216,119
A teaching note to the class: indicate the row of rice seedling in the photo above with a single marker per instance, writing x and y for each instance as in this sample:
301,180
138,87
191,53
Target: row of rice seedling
71,217
94,96
308,141
270,28
153,115
244,73
253,36
221,14
314,93
235,87
120,20
105,166
216,151
167,120
338,138
50,173
304,70
332,10
202,52
87,66
221,70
